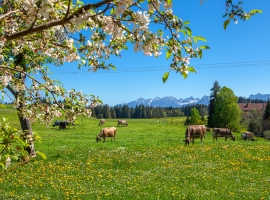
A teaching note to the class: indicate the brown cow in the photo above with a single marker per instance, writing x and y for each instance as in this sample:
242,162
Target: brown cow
195,131
122,122
222,132
106,132
102,121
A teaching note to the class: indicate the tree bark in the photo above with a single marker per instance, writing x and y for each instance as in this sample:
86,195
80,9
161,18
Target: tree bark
27,129
25,123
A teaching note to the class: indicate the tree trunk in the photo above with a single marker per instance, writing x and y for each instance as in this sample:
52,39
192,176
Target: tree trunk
25,123
27,128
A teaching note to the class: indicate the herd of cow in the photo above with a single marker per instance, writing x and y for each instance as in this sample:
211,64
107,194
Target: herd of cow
192,132
199,131
119,122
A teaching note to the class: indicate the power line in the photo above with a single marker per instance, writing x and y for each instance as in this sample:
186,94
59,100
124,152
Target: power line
165,68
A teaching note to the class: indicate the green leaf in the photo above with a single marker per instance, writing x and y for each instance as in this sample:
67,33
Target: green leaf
204,47
165,77
186,22
112,11
112,66
185,75
226,24
183,31
21,141
169,2
191,69
168,54
42,155
199,38
2,165
189,32
254,11
79,2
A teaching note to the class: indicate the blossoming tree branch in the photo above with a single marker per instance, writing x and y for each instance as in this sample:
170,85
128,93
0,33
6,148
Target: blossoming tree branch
34,33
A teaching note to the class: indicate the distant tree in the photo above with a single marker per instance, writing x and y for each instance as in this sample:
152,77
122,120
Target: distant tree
242,99
126,111
113,114
100,116
255,127
266,116
203,111
164,114
106,111
227,113
187,122
253,121
204,119
118,111
149,112
215,89
195,117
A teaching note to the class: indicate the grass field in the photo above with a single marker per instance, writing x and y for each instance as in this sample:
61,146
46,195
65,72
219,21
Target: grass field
148,160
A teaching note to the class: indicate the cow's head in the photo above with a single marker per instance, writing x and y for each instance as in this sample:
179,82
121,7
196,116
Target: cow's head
233,138
187,141
98,139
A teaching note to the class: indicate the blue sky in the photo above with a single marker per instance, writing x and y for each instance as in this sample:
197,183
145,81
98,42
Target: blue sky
239,59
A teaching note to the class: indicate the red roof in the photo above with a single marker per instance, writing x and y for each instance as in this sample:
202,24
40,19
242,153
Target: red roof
252,106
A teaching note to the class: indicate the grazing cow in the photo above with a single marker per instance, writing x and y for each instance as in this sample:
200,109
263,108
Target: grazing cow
63,125
222,132
106,132
122,122
102,121
195,131
247,136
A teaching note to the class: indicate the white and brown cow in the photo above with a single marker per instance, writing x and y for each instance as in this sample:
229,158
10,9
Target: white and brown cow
122,122
106,132
195,131
101,122
222,132
247,136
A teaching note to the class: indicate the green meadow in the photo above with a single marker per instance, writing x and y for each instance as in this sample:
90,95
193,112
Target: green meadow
148,160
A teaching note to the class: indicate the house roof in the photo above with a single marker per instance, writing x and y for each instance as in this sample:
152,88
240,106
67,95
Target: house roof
252,106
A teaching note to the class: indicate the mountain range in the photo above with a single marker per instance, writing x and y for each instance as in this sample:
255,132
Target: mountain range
174,102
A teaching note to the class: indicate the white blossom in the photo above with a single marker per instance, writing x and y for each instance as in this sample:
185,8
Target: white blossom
5,79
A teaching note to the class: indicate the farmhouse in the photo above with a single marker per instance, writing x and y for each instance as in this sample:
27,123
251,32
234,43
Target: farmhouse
246,107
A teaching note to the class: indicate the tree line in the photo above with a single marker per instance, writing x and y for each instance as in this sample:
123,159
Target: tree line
142,111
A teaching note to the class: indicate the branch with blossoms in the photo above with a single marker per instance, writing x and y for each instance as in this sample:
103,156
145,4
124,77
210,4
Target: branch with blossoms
235,12
65,20
49,31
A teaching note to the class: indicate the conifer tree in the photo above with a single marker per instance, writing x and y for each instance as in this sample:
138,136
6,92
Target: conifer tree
266,114
266,117
215,89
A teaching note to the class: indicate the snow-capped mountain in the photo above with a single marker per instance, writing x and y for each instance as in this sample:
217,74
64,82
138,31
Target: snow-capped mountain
168,101
174,102
264,97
